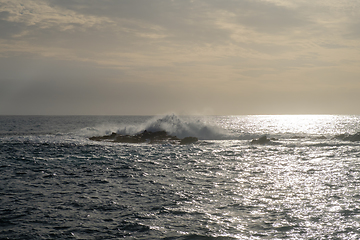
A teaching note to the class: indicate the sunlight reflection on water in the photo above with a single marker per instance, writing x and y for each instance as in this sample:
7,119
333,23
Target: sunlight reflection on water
293,124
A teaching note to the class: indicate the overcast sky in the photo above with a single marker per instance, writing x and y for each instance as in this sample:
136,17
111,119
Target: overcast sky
146,57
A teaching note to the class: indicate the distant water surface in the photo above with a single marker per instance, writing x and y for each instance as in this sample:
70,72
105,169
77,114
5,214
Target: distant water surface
57,184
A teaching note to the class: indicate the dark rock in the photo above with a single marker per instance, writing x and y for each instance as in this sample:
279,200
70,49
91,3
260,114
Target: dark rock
297,137
129,139
355,137
261,140
321,137
349,137
145,136
106,137
188,140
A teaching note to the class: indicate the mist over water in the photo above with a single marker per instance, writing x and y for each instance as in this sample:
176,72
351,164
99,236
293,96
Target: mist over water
181,128
57,184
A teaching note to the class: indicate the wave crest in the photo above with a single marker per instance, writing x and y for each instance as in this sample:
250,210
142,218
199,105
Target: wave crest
180,127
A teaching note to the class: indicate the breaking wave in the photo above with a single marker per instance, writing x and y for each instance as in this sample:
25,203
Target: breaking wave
180,127
172,124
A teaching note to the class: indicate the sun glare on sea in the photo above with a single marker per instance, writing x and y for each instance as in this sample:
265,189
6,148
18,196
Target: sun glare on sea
310,124
291,124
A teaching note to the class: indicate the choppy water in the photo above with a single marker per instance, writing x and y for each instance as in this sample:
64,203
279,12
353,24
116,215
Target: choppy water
57,184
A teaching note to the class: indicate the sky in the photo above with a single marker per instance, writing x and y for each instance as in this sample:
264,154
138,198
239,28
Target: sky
149,57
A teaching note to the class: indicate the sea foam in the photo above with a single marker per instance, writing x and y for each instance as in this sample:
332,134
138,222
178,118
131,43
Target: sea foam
178,126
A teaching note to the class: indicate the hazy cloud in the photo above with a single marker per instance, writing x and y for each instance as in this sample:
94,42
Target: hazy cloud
137,56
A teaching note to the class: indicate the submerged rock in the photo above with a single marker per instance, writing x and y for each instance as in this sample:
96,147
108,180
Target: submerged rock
261,140
349,137
188,140
145,136
321,137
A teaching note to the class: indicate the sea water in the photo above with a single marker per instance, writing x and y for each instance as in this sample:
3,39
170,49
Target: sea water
55,183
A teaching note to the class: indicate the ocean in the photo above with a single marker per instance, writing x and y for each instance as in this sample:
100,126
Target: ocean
304,183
